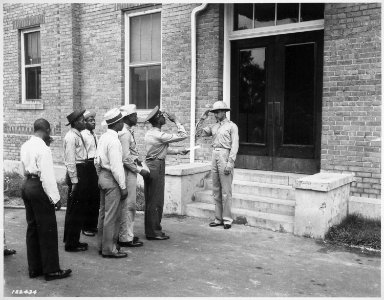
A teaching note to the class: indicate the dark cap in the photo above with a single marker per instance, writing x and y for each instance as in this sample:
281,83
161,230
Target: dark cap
72,117
152,114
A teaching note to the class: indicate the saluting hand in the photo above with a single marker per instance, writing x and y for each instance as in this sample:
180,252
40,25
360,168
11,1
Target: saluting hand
205,114
171,117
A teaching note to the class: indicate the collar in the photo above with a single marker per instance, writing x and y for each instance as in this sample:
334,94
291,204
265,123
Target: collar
75,131
38,139
224,121
111,131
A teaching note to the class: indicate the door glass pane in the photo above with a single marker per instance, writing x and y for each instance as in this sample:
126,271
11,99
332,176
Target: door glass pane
243,18
312,11
264,15
252,95
32,48
32,83
287,13
299,94
154,79
138,84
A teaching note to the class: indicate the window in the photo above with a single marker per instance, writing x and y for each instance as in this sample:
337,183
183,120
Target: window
144,59
31,65
256,15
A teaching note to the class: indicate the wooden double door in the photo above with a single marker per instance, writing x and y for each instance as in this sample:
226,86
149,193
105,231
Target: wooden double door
276,92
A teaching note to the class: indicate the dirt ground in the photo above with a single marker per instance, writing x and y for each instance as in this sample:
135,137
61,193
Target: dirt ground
198,261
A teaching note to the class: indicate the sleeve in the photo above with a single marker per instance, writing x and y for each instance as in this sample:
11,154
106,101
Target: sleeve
47,175
128,159
167,138
70,157
116,160
234,145
201,132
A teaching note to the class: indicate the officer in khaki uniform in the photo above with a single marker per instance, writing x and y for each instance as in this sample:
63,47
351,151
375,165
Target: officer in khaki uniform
225,146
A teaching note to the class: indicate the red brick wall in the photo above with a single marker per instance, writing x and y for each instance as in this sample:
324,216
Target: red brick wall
351,123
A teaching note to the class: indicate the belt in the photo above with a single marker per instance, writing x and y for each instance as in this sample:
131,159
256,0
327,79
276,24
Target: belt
30,176
154,158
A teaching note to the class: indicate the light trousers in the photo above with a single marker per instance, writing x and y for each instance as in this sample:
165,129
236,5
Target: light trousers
222,186
128,208
109,213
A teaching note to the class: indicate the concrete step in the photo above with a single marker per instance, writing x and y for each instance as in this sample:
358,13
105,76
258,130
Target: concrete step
282,192
262,177
258,219
253,203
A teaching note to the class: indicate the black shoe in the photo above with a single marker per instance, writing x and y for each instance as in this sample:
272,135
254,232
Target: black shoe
131,244
158,238
100,252
214,224
82,245
227,226
135,239
115,255
9,252
58,275
76,249
34,274
88,233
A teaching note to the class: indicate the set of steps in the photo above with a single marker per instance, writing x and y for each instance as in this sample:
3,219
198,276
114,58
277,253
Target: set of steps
259,198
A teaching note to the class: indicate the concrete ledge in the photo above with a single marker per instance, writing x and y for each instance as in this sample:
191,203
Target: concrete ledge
323,182
187,169
181,183
367,207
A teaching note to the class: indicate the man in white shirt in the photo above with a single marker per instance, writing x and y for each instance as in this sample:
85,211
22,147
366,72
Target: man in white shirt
40,195
109,168
132,167
92,203
75,155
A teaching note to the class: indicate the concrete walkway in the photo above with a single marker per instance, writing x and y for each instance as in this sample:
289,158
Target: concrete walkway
199,261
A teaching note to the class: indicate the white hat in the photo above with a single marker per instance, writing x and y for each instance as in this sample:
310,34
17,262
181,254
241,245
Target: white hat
88,114
112,116
220,105
128,109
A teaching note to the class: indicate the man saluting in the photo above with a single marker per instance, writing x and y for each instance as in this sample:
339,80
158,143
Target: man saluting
225,146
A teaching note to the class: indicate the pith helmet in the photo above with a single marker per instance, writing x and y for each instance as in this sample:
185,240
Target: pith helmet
219,105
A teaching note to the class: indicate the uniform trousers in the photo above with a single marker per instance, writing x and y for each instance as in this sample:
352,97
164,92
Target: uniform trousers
92,203
74,216
154,197
109,213
128,208
42,248
222,186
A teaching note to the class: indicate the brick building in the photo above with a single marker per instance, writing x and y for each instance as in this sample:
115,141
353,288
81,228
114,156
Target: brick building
303,80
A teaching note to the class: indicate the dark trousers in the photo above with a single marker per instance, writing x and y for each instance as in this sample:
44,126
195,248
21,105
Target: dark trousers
74,216
42,249
154,197
92,203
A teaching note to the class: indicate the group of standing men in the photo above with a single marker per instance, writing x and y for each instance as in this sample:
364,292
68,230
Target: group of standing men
102,178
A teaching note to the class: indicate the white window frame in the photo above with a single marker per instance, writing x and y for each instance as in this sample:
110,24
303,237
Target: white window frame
142,113
23,66
232,35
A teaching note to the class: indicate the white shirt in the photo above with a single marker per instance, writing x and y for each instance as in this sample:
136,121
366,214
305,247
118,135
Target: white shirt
90,141
109,155
74,152
36,158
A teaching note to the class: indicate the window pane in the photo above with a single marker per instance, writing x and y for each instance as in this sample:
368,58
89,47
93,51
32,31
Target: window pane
264,15
156,37
138,78
134,39
252,95
312,11
299,94
243,16
154,83
287,13
145,37
33,83
32,48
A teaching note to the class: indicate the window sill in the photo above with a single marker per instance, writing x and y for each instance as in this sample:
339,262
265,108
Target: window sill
35,106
